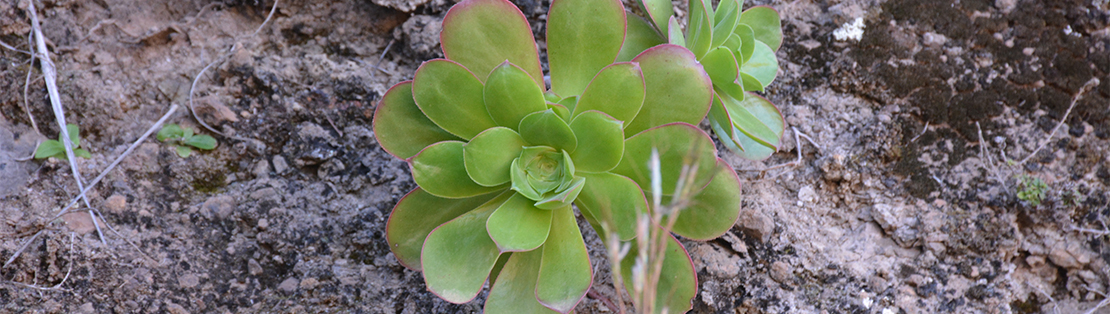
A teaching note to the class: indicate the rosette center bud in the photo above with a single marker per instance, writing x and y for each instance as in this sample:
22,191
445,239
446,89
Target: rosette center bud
546,175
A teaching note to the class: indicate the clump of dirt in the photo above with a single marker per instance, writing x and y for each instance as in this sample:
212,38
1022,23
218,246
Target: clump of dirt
898,203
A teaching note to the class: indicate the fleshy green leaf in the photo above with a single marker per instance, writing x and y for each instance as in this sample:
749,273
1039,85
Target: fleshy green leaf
518,226
720,64
614,198
515,289
480,34
678,89
725,8
763,65
458,256
169,131
489,154
497,267
750,82
183,151
570,103
678,283
766,24
601,142
675,36
747,40
699,29
452,97
565,273
659,11
563,198
583,36
561,110
50,148
725,18
419,212
546,128
679,145
757,118
510,94
713,211
201,141
187,134
401,128
440,170
639,37
618,90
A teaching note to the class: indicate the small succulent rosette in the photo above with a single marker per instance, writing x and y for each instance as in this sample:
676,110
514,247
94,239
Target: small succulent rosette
501,162
737,49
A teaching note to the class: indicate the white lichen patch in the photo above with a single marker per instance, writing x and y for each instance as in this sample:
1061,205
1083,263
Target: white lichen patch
852,30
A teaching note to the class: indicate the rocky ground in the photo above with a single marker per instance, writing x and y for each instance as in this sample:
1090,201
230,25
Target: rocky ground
915,141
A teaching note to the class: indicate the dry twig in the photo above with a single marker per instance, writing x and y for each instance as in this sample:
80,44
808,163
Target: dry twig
1094,81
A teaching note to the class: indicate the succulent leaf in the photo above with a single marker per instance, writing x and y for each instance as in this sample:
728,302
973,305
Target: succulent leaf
515,289
480,34
510,94
676,290
659,11
726,19
418,213
614,198
440,169
618,90
564,196
747,40
766,24
699,28
720,63
763,66
600,141
401,128
547,128
488,155
583,36
712,211
201,141
679,145
565,273
458,256
677,88
517,225
756,118
452,97
639,36
674,35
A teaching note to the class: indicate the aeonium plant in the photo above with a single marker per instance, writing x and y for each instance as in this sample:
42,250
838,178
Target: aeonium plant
502,162
737,49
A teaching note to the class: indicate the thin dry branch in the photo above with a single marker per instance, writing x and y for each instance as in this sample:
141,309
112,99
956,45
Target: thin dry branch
50,75
1094,81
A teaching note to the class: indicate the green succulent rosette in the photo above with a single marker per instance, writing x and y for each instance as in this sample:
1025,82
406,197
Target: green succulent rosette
502,162
737,49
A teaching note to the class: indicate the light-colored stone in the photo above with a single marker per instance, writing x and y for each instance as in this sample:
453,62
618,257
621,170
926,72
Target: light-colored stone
757,224
79,222
174,308
781,272
188,281
289,285
115,203
221,205
253,267
309,283
280,165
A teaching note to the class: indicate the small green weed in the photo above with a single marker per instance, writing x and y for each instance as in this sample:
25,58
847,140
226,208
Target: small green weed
56,149
1031,189
182,138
